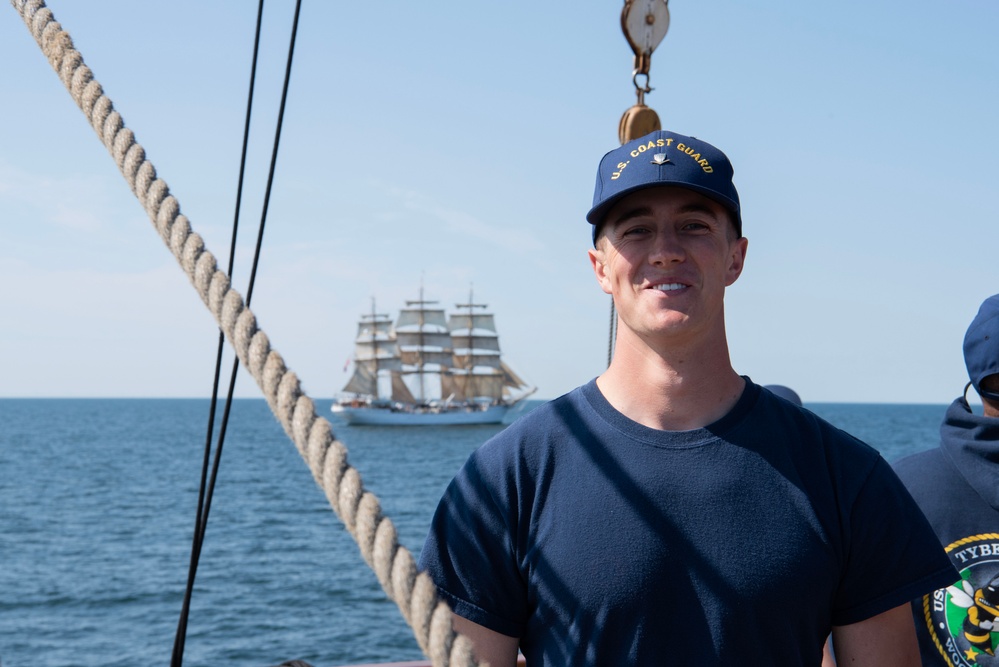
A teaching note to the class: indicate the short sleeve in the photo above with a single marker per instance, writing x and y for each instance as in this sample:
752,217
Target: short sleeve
470,552
893,555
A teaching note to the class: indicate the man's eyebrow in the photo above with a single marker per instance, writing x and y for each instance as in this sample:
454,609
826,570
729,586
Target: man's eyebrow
699,208
645,211
629,213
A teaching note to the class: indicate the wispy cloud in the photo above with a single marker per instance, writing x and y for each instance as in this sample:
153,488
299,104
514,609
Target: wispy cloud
495,234
64,203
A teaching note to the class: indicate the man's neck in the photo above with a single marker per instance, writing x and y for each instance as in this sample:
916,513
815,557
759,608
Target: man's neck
673,388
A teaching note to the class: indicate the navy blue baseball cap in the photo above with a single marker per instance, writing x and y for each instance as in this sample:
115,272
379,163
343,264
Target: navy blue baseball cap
981,346
664,158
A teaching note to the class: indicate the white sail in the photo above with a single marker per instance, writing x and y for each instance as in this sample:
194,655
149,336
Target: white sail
469,321
474,338
424,348
422,335
477,367
376,355
424,384
417,316
478,384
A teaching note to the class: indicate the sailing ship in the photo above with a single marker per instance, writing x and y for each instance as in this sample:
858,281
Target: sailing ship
427,368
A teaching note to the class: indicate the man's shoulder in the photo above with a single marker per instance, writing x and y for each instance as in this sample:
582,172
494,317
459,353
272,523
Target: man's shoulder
540,425
924,472
919,464
550,414
802,425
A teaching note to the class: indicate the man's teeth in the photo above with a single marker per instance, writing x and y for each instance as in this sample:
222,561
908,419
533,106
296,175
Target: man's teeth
669,287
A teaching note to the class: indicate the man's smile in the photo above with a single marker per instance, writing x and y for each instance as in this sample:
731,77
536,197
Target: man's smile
669,287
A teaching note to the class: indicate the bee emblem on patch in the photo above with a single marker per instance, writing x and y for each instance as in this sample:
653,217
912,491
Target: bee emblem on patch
660,158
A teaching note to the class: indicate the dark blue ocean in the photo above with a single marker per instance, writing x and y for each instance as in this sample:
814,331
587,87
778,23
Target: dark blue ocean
97,503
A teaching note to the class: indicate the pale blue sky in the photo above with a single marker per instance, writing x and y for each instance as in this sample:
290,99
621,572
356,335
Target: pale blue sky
456,142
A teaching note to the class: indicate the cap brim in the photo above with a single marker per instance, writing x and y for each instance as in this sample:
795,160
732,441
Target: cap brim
596,215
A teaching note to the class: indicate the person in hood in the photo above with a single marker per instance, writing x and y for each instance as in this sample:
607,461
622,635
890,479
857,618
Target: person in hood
671,511
957,487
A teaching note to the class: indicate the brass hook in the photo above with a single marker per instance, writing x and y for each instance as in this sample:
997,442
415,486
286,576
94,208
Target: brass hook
641,90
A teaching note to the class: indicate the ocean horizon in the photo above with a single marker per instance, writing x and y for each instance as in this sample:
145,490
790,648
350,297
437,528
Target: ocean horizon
99,495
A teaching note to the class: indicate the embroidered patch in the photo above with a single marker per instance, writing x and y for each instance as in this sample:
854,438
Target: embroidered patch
963,619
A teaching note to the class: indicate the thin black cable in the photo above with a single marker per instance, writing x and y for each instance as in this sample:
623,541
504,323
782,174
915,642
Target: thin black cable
253,271
274,153
203,522
198,537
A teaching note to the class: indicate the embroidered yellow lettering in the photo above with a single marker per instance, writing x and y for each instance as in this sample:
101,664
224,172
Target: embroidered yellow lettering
687,150
658,143
620,167
645,147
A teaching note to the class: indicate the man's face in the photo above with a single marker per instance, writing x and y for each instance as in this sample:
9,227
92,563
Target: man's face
990,383
666,255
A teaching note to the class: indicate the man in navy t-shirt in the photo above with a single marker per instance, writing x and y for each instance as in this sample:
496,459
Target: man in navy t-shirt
671,511
957,487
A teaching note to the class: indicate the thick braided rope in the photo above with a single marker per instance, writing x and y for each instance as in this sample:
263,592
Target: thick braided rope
326,457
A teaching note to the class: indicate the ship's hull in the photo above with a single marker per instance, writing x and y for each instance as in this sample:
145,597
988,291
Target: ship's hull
379,416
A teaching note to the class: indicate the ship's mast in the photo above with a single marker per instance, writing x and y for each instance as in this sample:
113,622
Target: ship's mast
375,344
479,349
373,353
469,390
425,347
422,345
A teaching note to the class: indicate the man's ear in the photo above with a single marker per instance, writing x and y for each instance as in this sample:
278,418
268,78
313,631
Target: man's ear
737,259
598,261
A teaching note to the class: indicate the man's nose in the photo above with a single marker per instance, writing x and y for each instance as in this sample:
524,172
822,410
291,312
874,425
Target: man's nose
666,248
